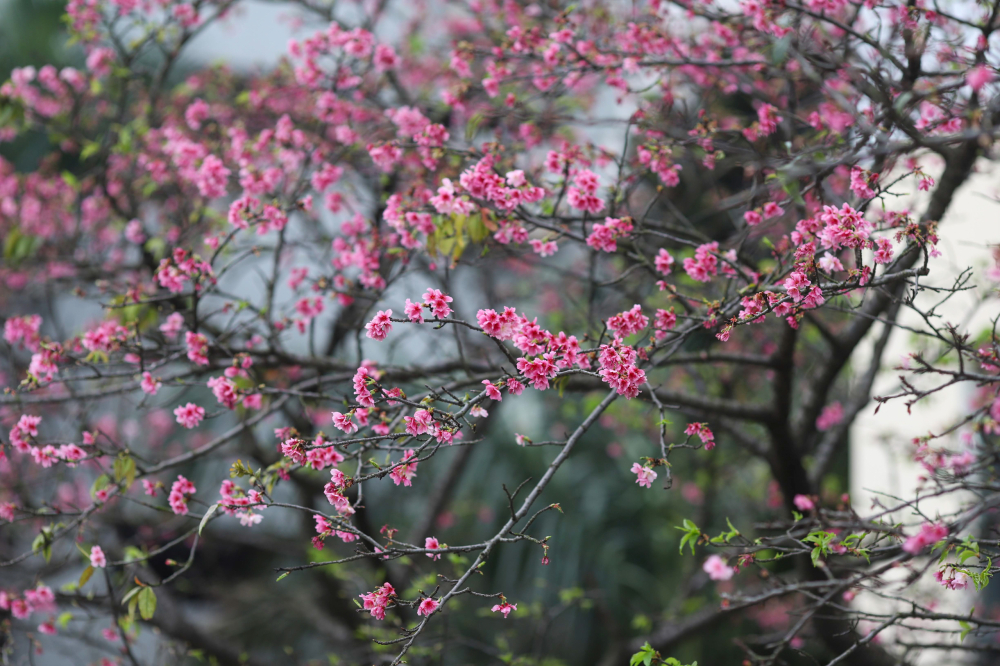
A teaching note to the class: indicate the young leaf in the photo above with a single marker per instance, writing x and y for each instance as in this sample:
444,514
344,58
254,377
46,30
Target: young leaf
85,576
208,514
147,603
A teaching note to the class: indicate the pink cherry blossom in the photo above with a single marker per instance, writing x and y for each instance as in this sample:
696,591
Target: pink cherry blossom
929,534
427,606
717,569
644,475
804,503
492,391
431,543
379,326
505,608
343,422
190,415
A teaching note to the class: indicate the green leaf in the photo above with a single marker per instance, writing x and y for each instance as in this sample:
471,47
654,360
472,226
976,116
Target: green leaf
208,514
131,593
472,128
134,554
726,537
43,544
124,469
691,536
99,483
284,575
89,150
477,229
17,246
85,576
966,628
157,247
147,603
822,541
643,656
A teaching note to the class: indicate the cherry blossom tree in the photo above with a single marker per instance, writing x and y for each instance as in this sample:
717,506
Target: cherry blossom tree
269,336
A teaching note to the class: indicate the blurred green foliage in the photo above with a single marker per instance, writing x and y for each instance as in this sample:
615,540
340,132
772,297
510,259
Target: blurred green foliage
31,33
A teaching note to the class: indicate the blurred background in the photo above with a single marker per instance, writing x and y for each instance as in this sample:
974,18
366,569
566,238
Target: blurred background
615,572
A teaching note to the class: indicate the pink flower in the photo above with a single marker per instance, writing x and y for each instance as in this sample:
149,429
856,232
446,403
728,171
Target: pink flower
977,77
106,337
717,569
491,86
663,262
380,325
543,248
438,303
830,263
930,533
704,265
23,330
831,415
149,384
644,475
862,181
190,415
403,474
703,432
19,608
500,326
492,391
604,236
41,599
796,285
772,209
173,325
344,422
197,348
180,491
883,251
504,608
427,606
431,543
97,558
196,113
99,61
361,390
951,579
803,503
376,601
29,424
224,390
618,369
629,322
414,311
385,58
212,177
752,218
419,423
